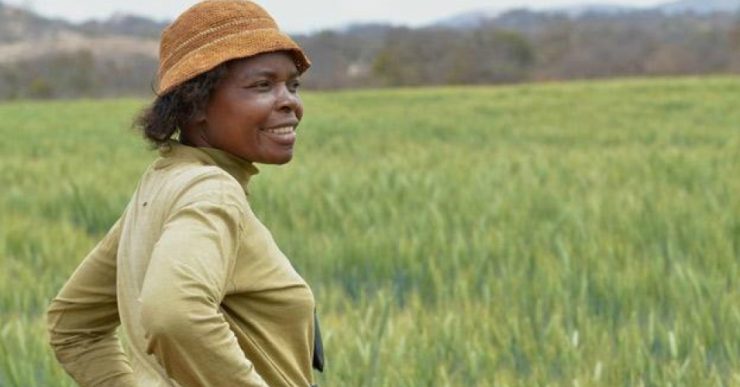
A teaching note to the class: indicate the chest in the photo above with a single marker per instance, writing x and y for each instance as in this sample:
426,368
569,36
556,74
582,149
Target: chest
263,274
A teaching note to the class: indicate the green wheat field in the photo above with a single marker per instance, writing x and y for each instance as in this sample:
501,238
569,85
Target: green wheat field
576,234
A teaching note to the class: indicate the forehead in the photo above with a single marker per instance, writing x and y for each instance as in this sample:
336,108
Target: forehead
278,63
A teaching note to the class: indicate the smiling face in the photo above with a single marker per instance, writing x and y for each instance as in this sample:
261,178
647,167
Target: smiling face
254,111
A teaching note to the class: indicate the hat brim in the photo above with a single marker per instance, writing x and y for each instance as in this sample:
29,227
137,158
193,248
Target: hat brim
239,45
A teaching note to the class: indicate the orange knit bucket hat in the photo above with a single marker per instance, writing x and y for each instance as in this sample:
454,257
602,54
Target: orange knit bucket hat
215,31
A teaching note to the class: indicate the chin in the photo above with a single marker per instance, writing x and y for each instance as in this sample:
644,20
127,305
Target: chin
280,160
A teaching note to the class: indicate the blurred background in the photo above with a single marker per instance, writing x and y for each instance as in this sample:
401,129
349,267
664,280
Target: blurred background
67,49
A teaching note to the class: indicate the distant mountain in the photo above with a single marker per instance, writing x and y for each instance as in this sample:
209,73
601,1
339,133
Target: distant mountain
46,57
367,30
26,36
17,24
470,19
700,6
125,24
594,9
475,18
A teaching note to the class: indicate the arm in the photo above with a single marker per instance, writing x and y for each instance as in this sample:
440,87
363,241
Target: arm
181,296
83,318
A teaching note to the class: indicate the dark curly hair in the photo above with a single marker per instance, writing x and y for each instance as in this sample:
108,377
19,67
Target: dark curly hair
172,111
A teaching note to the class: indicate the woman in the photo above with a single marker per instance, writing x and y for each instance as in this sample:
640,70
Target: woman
202,293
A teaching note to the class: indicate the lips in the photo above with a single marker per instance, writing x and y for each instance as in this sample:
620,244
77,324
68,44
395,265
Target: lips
284,135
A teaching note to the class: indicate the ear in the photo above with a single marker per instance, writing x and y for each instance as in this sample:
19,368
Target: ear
193,132
199,120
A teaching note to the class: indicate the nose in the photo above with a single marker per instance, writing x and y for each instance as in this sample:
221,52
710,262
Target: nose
287,100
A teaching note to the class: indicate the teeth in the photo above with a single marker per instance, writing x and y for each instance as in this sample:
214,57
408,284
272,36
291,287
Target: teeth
282,131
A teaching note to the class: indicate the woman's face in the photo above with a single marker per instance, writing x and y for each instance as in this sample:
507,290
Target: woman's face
254,111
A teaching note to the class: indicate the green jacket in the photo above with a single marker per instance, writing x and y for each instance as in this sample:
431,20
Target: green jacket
201,291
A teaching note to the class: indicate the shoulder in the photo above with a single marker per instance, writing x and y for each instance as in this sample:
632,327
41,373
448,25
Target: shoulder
195,183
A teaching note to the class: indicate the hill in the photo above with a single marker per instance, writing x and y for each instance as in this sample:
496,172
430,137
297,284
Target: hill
17,25
50,58
700,6
474,18
44,58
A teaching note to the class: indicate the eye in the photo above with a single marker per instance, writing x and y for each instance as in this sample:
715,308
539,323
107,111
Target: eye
294,85
261,85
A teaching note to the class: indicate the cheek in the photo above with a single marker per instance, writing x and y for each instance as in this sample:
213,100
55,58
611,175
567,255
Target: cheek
219,112
255,110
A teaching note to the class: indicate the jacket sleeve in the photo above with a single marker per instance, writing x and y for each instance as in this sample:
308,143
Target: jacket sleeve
83,318
182,293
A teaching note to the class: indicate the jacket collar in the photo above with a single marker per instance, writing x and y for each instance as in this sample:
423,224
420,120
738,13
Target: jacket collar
238,168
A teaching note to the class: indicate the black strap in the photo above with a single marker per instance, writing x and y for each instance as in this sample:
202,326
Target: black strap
318,345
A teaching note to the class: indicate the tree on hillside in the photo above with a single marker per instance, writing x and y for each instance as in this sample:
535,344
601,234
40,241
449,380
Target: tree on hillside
436,56
343,59
733,39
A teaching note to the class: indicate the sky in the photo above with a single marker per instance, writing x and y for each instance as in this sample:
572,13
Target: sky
301,16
